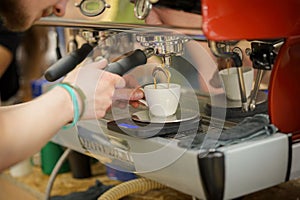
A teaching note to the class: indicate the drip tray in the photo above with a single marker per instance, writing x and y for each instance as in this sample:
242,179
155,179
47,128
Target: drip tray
233,109
143,125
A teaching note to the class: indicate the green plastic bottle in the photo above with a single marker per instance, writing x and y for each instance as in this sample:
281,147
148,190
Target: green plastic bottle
50,154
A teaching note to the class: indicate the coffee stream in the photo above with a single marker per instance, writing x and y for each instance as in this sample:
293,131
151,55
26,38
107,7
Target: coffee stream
228,65
161,68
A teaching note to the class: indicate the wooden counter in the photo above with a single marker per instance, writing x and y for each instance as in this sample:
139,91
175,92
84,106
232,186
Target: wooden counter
35,184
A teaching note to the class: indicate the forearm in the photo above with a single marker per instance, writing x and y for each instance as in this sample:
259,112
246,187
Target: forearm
22,135
25,128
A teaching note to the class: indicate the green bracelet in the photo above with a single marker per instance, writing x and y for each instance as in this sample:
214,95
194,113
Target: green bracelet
75,104
80,94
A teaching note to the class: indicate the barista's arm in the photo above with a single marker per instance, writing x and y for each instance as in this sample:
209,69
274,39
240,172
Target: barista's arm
26,127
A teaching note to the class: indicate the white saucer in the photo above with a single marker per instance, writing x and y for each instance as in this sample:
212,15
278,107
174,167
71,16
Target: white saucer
180,116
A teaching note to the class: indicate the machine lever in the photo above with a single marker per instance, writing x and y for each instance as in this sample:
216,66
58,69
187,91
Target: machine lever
67,63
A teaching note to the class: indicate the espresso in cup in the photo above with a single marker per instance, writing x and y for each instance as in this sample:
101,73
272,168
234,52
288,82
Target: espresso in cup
162,98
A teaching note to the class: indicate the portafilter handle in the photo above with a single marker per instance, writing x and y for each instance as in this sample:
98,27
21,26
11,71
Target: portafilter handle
120,67
134,59
67,63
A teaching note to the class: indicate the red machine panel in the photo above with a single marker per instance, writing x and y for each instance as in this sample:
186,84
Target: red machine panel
284,89
254,19
265,19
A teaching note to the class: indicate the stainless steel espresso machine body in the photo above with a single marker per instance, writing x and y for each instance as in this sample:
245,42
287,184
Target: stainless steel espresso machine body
213,148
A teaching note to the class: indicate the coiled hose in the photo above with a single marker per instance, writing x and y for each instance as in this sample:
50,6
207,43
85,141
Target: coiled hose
130,187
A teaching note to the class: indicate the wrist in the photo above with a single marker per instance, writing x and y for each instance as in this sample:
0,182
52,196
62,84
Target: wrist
81,98
66,106
76,96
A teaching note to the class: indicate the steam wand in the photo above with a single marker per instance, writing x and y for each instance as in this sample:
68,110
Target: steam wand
262,55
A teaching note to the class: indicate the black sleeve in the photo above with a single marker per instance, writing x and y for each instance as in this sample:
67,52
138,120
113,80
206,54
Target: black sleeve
9,81
9,39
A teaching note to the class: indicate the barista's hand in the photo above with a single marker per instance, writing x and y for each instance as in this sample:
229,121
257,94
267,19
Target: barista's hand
98,86
130,94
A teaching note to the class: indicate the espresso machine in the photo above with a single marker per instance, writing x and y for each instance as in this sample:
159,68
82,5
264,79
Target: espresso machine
205,150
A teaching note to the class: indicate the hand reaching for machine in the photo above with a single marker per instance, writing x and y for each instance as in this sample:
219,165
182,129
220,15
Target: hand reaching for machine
129,94
98,87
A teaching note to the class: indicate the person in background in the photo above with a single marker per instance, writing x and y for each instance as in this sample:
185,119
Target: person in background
33,58
25,128
28,49
9,70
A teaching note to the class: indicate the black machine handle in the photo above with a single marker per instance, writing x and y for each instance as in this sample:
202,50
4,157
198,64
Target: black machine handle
120,67
67,63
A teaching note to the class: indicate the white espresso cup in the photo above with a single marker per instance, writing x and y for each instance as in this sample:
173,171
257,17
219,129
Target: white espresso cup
231,82
162,100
